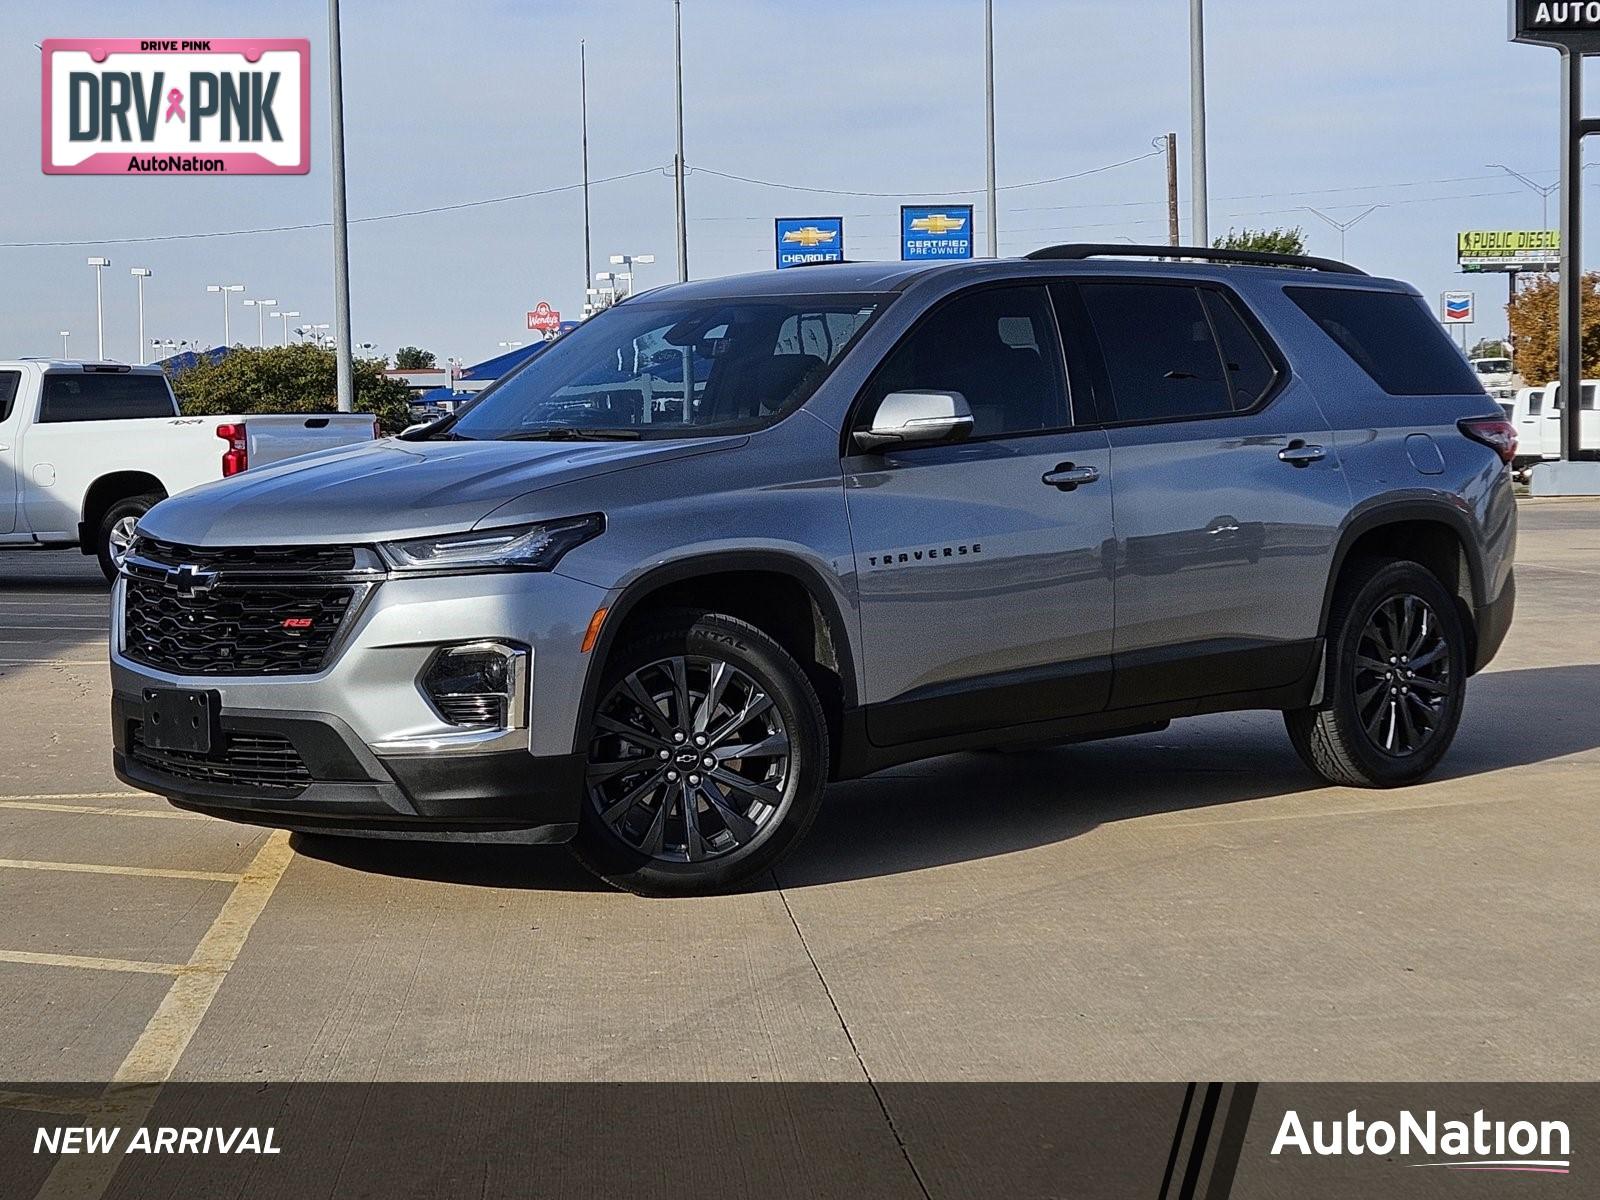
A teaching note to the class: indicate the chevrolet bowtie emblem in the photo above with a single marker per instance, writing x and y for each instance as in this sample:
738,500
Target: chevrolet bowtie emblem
810,236
938,223
189,581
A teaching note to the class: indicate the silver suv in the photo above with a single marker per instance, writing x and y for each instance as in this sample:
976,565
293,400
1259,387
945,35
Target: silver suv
734,539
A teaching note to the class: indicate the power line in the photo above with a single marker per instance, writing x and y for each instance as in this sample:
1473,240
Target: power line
1010,187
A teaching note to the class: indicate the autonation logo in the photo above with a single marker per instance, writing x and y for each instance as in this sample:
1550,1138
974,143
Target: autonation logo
1476,1145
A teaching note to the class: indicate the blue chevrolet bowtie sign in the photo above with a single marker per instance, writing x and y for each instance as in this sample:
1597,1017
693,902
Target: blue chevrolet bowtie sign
930,233
806,240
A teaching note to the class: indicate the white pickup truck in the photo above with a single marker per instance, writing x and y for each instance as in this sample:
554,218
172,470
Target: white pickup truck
86,449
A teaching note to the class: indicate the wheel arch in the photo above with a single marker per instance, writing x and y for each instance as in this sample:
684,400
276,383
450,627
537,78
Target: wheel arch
731,582
108,490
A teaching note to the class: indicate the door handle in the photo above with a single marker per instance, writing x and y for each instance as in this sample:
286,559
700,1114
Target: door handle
1298,454
1070,478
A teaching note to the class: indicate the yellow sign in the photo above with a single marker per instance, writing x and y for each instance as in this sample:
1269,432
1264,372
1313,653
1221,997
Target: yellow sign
1509,249
811,237
938,223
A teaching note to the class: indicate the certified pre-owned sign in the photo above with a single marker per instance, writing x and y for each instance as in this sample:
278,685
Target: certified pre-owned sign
167,106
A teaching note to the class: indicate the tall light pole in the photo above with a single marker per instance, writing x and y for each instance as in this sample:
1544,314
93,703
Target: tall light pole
141,274
1545,190
678,166
261,307
284,318
583,104
988,91
1198,185
227,326
99,265
65,334
627,262
341,220
1344,227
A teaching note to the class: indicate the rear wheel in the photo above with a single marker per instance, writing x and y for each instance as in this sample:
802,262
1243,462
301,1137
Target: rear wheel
1396,684
707,759
116,531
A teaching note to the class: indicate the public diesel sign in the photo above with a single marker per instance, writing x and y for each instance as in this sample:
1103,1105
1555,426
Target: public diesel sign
162,106
1509,250
1569,24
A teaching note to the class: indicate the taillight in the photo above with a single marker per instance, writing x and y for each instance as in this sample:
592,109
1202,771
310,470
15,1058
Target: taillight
1497,434
236,457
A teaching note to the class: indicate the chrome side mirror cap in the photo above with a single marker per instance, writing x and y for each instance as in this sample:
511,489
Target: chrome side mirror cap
906,419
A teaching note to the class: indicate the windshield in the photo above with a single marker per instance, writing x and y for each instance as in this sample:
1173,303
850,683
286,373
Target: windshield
747,362
1493,366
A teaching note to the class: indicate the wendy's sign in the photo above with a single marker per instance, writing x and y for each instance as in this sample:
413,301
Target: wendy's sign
1567,24
208,106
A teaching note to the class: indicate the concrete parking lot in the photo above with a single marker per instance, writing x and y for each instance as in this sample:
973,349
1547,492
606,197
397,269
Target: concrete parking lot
1183,905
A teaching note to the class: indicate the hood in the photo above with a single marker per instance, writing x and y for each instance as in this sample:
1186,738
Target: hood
395,489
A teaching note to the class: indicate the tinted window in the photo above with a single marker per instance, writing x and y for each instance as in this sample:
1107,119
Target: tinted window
8,391
1159,351
748,362
1535,403
1250,372
998,348
1393,338
105,397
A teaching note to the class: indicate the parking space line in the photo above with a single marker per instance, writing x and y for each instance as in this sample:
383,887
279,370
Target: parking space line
51,662
89,963
104,810
155,1055
23,864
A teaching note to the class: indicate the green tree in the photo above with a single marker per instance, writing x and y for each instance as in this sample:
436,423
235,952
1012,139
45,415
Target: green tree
1491,348
414,358
1268,241
289,379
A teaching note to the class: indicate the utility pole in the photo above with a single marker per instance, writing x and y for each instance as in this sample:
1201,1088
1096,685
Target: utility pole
1570,302
1169,143
341,220
1344,227
583,101
1198,185
678,166
988,81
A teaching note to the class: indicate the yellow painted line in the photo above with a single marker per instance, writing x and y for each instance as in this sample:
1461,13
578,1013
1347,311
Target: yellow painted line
104,810
22,864
107,1104
155,1055
51,662
84,962
124,794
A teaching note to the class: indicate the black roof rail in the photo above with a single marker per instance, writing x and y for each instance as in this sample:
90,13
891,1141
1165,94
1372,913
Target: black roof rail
1254,258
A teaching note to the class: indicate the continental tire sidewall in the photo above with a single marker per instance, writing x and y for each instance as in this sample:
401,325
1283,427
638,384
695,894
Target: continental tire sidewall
781,677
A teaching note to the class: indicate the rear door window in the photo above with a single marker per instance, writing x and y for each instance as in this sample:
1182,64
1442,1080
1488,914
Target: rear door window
1393,337
8,391
104,397
1160,353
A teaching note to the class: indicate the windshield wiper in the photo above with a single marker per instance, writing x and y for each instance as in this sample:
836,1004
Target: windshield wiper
573,433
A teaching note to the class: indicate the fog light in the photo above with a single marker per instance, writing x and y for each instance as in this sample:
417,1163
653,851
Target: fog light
481,686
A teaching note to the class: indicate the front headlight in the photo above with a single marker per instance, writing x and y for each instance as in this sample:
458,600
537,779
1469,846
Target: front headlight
517,548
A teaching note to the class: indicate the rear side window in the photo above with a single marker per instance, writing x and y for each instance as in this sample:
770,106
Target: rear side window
8,391
1535,404
104,397
1160,352
1392,337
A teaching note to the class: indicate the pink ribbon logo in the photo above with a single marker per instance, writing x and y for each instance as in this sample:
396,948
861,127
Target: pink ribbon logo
175,105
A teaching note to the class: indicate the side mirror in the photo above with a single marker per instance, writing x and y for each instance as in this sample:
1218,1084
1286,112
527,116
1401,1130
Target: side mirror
907,419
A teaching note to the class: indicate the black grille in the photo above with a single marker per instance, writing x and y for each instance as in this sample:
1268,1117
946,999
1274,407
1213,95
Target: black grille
248,611
257,760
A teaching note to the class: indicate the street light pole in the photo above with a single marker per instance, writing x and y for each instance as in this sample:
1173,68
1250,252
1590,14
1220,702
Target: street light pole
678,165
141,274
341,220
284,318
261,307
1198,184
1344,227
1545,190
65,334
627,262
988,90
227,327
583,103
99,265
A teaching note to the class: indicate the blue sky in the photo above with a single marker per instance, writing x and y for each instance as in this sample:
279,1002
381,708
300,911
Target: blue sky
1337,106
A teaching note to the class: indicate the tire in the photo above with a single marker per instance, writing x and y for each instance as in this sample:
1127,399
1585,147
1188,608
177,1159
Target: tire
1387,718
748,811
117,524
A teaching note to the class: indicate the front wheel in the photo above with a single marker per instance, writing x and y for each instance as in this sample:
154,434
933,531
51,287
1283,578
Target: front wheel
1396,683
115,534
707,759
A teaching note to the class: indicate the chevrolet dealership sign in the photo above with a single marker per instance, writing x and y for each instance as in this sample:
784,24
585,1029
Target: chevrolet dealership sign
1567,24
176,106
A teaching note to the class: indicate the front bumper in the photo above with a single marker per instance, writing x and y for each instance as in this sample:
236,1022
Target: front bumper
358,748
